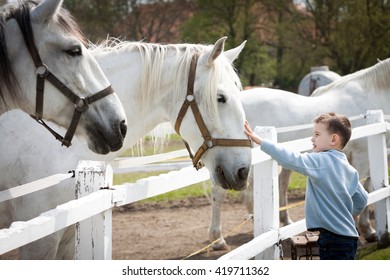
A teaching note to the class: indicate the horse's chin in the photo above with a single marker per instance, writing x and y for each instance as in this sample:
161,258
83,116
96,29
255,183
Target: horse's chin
98,144
229,184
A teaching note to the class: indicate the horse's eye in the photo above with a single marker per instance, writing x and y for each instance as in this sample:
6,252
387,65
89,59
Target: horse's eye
221,98
76,51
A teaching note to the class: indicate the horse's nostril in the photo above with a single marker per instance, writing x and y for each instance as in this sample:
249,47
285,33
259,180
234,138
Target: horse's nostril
123,128
243,173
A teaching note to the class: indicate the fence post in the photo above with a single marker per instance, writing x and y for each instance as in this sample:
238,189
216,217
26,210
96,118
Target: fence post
377,154
266,196
93,235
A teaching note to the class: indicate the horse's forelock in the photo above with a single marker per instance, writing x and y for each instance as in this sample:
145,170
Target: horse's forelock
68,24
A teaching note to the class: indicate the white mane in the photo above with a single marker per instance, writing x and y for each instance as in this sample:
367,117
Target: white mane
153,58
374,78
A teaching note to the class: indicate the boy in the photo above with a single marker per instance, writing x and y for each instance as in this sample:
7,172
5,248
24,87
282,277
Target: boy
334,194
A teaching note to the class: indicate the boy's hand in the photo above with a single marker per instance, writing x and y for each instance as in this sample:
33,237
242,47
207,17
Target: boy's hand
248,131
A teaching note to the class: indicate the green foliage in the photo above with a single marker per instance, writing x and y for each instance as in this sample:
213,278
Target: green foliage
354,34
283,40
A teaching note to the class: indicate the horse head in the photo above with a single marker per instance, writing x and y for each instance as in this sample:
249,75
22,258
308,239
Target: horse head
49,59
215,127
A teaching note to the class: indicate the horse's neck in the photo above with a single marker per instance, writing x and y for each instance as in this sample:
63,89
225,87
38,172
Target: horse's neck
123,71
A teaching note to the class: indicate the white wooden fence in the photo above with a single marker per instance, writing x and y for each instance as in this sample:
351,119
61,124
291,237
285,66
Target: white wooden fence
91,210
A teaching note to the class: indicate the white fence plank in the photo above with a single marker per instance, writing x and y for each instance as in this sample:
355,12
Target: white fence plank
33,186
22,233
155,185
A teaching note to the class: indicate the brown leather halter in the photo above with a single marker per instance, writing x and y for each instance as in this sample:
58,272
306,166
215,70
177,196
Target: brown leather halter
209,142
42,72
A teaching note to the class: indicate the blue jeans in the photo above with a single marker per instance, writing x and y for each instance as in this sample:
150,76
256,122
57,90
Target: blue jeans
336,247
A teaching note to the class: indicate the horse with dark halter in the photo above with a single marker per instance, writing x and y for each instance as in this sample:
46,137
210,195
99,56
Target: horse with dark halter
18,84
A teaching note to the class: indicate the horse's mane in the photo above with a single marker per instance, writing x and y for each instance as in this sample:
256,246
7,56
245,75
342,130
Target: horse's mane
153,57
8,82
374,78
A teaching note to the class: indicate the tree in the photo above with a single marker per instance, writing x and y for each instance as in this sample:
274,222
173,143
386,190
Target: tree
352,34
239,20
155,20
97,18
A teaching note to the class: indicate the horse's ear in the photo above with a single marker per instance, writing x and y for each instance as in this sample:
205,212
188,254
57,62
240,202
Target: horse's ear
233,53
46,10
217,50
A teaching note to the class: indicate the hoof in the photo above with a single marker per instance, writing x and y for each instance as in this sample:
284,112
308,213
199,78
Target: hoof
220,245
371,238
286,222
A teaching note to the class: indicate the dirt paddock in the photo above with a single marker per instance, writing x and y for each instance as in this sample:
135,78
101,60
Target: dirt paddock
175,230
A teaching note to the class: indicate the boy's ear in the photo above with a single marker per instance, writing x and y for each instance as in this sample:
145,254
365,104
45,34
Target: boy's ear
335,139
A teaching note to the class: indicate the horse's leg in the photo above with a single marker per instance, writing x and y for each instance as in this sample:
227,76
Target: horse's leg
34,251
248,195
284,182
364,223
5,217
66,248
217,196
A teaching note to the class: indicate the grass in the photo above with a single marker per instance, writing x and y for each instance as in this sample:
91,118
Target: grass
371,252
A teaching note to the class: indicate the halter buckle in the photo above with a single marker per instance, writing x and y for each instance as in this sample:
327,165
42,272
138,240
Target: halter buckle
209,143
81,105
42,70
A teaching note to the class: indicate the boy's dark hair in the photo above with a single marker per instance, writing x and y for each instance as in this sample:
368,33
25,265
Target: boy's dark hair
338,124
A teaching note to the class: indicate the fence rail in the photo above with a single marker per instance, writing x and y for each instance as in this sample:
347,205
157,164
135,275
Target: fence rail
96,196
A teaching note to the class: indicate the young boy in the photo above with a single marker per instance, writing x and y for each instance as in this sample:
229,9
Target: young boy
334,194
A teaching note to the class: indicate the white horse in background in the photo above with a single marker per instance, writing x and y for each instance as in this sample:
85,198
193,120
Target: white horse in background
151,82
41,50
319,76
352,95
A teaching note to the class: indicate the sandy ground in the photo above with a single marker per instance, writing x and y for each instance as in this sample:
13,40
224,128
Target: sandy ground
175,230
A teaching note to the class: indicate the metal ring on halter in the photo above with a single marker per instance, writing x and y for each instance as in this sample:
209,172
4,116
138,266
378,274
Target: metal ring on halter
190,98
81,104
209,143
42,70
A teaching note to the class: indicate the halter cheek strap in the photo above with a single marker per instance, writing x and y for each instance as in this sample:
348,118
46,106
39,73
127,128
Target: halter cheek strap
42,72
209,142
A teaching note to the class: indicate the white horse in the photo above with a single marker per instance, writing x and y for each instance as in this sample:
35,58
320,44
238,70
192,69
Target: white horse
151,81
319,76
351,95
41,50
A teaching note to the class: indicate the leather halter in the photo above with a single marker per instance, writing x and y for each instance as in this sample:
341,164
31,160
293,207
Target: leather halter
42,72
209,142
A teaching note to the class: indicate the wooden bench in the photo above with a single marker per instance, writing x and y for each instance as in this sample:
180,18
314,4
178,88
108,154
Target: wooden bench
308,242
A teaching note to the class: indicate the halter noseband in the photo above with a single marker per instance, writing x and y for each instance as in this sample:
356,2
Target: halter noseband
209,142
42,72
